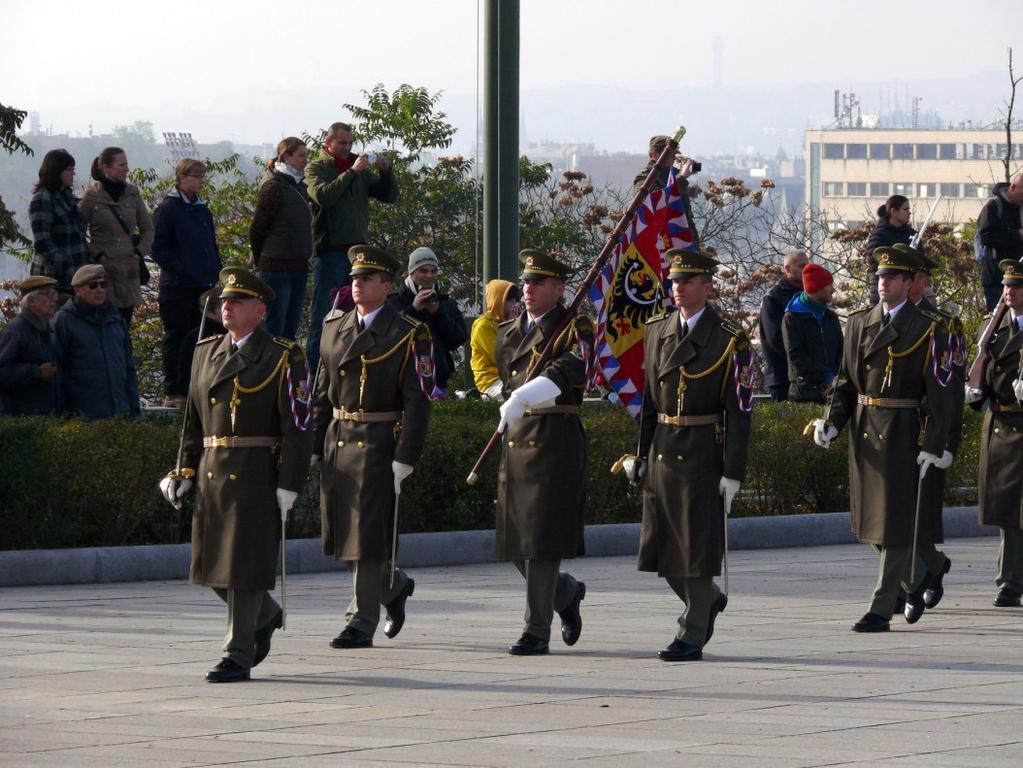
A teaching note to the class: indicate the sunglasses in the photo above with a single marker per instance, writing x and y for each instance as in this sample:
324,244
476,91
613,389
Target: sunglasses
97,284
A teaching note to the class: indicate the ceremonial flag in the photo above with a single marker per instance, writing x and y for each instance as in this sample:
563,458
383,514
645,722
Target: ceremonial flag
631,288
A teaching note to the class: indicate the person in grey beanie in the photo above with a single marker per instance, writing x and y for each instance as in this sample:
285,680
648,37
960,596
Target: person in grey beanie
419,299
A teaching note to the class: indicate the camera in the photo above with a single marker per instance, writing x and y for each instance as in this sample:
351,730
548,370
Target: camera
371,157
697,166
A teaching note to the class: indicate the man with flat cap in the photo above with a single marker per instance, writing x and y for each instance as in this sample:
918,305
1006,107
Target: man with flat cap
936,562
372,406
28,352
1001,438
693,445
541,485
893,393
246,446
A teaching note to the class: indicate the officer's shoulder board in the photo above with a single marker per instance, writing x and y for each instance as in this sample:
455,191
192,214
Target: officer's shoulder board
333,318
934,315
662,315
291,346
506,323
209,339
741,340
858,310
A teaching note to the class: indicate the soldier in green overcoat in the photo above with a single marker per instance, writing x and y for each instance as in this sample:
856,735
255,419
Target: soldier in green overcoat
693,446
246,446
893,392
541,486
372,405
1001,438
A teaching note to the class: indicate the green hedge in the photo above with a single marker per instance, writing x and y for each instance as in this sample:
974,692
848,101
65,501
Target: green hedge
94,483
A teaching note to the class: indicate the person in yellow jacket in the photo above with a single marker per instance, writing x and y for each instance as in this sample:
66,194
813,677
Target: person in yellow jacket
503,303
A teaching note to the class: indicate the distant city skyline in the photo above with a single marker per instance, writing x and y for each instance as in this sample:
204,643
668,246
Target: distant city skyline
251,72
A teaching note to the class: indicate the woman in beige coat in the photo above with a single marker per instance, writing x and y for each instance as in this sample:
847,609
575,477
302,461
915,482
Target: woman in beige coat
119,226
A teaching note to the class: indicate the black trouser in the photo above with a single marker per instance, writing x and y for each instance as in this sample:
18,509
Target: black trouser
180,313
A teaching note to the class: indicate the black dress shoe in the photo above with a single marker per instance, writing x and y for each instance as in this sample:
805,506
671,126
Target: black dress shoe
716,607
351,637
871,622
227,671
680,651
914,607
396,610
263,637
1007,598
529,645
571,619
936,590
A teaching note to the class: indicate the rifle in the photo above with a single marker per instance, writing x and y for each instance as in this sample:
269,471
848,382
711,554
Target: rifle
664,160
978,368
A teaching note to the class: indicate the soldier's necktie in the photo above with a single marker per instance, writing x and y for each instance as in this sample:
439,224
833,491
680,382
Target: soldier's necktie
685,328
362,324
234,347
887,318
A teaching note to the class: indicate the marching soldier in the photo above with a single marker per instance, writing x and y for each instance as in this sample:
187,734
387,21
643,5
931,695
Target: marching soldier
1001,447
893,392
371,409
244,443
936,562
541,481
693,446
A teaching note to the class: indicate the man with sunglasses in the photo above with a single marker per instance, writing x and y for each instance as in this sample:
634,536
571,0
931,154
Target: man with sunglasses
94,352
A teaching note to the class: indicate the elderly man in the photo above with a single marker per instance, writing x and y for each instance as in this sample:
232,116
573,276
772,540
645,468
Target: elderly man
419,299
541,485
894,380
245,443
28,353
813,337
98,375
1000,483
371,411
772,310
340,185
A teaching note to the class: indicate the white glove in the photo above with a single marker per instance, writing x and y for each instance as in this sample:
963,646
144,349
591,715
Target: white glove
823,433
538,393
976,395
285,500
728,487
634,468
495,391
927,460
401,471
173,489
1017,389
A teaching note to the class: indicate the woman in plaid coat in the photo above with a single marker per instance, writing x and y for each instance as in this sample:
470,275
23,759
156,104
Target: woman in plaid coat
58,230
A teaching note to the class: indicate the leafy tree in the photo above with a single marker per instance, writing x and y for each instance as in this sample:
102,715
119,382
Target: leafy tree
11,119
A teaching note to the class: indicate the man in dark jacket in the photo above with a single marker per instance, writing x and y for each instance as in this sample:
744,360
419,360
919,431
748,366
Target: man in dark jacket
185,247
813,337
772,310
98,374
1000,229
418,298
28,353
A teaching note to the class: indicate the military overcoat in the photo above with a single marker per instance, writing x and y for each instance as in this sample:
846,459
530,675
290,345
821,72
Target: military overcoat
884,441
682,532
236,524
1001,437
385,368
541,482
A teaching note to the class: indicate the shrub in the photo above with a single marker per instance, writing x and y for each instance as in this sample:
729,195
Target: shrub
67,483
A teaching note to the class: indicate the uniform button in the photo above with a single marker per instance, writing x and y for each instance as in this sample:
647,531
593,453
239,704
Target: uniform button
361,444
340,443
233,476
998,368
514,373
209,475
532,443
660,457
342,373
865,436
511,443
679,458
213,401
997,430
868,366
880,437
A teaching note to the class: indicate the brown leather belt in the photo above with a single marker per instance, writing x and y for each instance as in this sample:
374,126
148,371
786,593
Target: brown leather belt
702,420
1008,408
367,416
888,402
240,442
571,410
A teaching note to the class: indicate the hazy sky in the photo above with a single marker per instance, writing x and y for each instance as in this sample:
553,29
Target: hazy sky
59,55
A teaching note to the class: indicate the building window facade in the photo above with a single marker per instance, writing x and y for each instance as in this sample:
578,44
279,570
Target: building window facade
902,151
834,151
880,151
856,189
904,188
855,151
879,189
834,188
950,190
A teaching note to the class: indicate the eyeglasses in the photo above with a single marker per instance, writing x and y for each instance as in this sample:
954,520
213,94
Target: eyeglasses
97,284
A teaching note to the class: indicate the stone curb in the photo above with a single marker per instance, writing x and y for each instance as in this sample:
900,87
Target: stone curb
34,567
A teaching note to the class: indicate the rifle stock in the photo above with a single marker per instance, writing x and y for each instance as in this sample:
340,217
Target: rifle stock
664,160
975,376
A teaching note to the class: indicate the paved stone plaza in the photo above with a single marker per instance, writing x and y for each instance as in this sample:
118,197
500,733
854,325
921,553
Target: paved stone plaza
112,675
